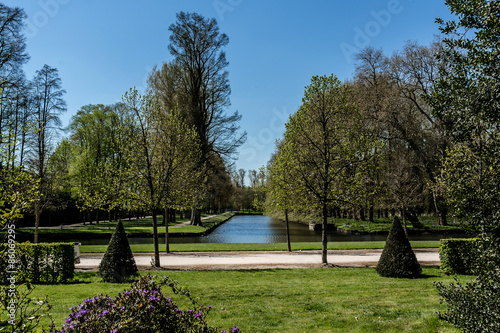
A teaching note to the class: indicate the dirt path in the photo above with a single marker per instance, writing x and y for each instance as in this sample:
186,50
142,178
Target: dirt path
259,260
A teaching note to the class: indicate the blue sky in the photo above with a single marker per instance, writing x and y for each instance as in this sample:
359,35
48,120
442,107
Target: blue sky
103,47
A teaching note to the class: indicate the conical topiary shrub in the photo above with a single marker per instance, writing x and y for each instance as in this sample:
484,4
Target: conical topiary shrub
118,263
398,258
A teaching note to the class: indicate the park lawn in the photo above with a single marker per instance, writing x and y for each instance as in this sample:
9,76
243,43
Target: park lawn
384,225
216,247
291,300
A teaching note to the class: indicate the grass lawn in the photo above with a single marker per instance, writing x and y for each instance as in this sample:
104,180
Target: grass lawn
384,224
209,247
292,300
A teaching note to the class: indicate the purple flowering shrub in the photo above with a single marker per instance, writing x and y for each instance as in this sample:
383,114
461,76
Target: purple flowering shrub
141,308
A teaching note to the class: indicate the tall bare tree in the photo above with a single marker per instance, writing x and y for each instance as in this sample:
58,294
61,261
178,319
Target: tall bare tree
197,81
48,105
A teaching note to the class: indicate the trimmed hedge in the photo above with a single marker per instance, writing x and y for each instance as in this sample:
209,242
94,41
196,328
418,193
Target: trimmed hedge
118,264
458,255
37,263
397,258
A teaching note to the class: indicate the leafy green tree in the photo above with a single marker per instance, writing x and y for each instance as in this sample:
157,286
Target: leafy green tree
99,168
466,101
325,146
281,190
163,155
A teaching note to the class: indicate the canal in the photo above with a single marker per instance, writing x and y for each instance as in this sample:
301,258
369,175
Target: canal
265,229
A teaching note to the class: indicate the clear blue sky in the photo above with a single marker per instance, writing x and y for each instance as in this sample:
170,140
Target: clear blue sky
103,47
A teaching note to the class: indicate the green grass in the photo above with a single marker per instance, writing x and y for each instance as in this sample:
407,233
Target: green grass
140,226
384,224
294,300
209,247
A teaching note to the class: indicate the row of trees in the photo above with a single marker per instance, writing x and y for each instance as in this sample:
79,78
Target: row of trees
170,148
369,144
29,121
386,101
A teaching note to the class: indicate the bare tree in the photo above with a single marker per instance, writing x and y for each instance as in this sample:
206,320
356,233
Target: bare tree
48,105
197,81
12,44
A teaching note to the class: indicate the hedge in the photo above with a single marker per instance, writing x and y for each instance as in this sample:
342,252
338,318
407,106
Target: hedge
37,263
458,255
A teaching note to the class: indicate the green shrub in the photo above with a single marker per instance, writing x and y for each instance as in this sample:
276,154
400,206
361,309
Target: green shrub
141,308
459,255
398,258
37,263
118,263
475,306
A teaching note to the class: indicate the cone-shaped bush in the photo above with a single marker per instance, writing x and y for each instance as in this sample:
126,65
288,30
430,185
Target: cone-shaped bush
118,263
398,258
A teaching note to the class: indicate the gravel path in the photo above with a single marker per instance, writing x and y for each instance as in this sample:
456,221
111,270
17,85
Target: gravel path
258,260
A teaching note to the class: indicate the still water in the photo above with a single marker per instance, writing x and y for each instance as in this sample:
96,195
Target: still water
264,229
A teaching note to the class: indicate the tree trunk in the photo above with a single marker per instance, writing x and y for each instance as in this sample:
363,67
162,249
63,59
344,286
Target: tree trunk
413,218
324,237
371,213
362,215
172,215
403,211
166,219
195,217
38,213
289,246
155,238
441,209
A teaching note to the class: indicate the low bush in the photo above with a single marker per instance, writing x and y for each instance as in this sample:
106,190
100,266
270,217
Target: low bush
459,255
37,263
141,308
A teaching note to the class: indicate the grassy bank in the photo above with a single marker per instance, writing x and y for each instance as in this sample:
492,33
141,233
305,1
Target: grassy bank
384,225
134,228
201,247
294,300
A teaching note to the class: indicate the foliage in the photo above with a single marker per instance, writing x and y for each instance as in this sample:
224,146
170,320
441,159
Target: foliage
20,312
398,258
118,263
18,191
98,167
141,308
469,308
466,101
458,256
38,263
